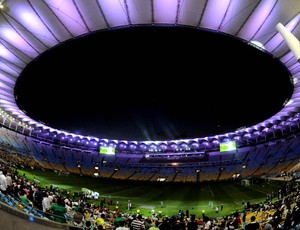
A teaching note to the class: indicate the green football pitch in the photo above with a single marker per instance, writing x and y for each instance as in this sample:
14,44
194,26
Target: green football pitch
162,197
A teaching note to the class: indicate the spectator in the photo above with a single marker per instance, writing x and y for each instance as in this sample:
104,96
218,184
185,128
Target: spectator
237,221
165,225
122,226
38,198
154,226
137,223
118,220
88,225
268,226
207,222
100,221
58,209
3,183
192,224
253,225
47,201
147,223
23,198
78,217
8,182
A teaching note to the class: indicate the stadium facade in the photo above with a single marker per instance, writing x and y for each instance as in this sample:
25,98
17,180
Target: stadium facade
266,148
31,27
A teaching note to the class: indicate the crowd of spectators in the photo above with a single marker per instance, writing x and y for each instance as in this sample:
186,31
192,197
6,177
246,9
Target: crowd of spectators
284,214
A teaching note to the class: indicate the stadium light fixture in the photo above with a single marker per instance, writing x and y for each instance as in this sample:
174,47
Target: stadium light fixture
2,6
292,42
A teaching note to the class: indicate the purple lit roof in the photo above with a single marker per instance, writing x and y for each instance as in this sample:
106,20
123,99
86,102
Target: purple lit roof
29,28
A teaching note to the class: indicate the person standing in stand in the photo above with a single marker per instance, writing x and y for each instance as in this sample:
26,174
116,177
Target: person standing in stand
3,183
137,223
253,225
192,224
58,209
122,226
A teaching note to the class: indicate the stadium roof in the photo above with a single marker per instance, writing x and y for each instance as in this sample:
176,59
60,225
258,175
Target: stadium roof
31,27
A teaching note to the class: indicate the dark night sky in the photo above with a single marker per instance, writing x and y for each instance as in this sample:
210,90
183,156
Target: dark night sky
147,83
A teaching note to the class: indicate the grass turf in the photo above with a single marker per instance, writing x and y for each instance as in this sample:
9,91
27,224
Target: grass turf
147,196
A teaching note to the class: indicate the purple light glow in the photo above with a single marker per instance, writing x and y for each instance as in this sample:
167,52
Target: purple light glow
214,13
17,41
37,29
165,11
140,11
288,58
6,79
69,16
114,12
277,40
4,86
4,52
256,19
188,14
57,21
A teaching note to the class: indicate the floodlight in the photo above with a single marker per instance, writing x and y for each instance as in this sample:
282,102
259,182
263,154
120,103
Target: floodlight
291,41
